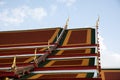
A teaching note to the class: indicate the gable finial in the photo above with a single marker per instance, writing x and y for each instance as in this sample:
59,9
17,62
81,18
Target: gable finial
97,22
35,58
35,53
13,67
66,25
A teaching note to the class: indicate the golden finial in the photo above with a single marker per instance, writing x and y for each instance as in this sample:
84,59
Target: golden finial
66,25
97,22
48,44
13,67
35,54
35,57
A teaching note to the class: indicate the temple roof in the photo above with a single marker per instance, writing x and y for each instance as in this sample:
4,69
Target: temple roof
61,54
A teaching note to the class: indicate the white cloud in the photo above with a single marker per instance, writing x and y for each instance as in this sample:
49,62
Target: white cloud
2,3
18,15
102,44
109,59
6,19
67,2
38,13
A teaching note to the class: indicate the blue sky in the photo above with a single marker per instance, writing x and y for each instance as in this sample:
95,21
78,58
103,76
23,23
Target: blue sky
37,14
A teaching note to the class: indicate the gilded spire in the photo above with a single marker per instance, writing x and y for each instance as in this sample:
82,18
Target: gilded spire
35,54
35,57
97,22
13,67
48,44
66,25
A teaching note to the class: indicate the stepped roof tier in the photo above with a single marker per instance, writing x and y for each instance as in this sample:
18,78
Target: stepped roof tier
54,53
110,74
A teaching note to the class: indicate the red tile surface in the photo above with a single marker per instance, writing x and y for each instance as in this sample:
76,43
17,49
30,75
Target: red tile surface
78,37
112,75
